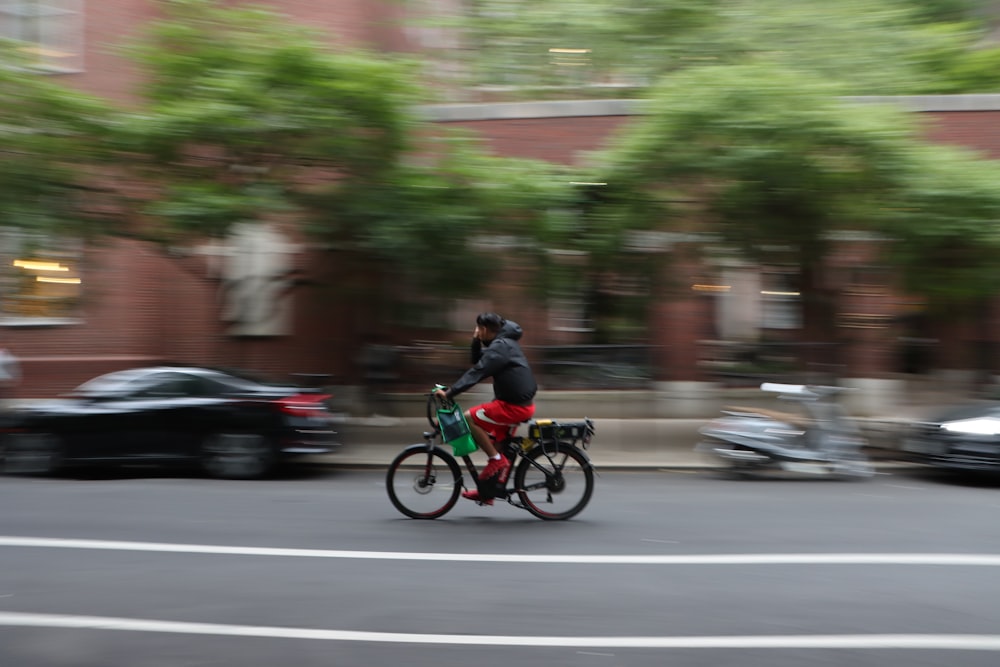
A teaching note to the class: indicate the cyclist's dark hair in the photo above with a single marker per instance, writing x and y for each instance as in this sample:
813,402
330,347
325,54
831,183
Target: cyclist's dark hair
491,321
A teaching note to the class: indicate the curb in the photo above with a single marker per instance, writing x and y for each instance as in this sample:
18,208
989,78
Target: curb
880,466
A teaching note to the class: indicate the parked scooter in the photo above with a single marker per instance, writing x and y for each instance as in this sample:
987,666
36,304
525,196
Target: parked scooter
818,439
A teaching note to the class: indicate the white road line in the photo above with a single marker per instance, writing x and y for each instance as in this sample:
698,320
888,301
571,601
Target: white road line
889,641
945,559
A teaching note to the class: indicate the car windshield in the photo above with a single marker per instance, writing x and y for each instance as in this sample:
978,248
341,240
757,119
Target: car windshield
238,374
139,382
111,383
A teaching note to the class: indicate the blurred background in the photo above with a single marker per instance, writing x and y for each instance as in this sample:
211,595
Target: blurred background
659,192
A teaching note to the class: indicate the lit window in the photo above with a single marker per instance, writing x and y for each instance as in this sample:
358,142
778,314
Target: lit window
50,32
40,278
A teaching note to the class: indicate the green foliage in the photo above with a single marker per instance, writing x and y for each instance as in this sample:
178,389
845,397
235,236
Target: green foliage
945,223
870,48
52,140
943,11
772,158
243,106
559,43
209,208
771,163
448,222
885,47
249,119
956,67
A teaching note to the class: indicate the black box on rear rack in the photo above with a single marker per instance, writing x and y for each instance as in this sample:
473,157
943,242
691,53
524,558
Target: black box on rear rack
550,429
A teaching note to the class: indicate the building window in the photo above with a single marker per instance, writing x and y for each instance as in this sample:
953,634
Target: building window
40,279
781,302
871,280
50,32
569,304
568,313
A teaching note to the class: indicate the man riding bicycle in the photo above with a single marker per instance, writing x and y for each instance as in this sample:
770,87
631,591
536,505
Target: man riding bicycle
496,354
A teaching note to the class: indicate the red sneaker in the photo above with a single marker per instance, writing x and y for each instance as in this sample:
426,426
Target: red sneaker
474,495
496,468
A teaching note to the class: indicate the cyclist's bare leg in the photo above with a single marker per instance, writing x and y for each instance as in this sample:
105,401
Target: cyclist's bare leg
481,437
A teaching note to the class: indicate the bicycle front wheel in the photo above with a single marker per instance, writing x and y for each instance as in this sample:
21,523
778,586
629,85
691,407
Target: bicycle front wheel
423,482
554,481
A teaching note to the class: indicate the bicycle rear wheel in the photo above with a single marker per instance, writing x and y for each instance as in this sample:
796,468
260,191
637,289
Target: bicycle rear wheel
423,483
554,481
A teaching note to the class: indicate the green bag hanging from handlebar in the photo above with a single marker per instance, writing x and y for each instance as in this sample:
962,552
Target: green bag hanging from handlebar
455,430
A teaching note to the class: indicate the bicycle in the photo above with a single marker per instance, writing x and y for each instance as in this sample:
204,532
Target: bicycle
552,475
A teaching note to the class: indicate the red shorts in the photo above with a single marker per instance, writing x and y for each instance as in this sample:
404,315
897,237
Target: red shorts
498,418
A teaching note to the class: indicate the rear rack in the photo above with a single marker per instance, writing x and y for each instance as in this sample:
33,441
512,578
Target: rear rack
577,432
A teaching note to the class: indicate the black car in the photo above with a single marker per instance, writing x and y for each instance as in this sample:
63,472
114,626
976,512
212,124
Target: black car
233,425
962,438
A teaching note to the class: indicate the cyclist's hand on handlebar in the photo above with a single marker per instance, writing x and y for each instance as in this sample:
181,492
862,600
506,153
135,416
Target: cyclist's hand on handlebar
440,393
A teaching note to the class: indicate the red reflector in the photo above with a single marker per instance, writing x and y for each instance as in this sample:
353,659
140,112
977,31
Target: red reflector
302,405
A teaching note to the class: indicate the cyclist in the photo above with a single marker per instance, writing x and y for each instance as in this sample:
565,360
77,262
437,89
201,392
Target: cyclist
496,354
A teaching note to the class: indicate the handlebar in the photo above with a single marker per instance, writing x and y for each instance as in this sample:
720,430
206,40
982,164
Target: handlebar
432,395
435,402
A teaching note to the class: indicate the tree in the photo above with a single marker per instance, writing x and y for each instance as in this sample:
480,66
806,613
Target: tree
945,226
773,165
243,116
248,118
945,221
243,110
53,151
891,47
555,48
546,46
444,225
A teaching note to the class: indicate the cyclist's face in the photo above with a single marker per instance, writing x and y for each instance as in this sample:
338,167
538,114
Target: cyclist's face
483,334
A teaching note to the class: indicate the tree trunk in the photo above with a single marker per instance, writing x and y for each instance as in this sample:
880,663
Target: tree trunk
820,354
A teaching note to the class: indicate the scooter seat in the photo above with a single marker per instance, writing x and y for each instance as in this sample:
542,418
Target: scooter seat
791,418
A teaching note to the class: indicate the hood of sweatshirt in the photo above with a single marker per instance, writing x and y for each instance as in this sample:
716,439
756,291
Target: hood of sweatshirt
510,330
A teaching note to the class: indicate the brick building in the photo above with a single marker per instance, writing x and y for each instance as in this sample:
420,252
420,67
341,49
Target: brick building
139,303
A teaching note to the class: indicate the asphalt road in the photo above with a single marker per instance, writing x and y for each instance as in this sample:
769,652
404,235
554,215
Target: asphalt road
147,569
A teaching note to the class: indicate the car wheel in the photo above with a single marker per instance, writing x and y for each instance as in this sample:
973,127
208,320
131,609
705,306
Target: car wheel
32,454
237,455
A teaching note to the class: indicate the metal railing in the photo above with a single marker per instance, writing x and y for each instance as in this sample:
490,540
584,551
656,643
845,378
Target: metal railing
746,364
592,366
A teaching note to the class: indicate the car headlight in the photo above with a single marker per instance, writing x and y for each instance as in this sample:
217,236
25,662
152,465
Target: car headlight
978,426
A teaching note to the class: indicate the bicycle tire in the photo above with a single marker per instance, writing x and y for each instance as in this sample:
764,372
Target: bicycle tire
558,475
423,482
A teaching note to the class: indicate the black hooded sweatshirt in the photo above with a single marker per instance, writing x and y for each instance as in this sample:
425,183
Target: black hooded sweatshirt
503,360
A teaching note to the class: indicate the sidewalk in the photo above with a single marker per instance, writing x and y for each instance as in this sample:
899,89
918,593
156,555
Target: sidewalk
619,444
629,443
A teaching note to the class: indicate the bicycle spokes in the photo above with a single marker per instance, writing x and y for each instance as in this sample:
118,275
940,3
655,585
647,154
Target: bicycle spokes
423,483
554,482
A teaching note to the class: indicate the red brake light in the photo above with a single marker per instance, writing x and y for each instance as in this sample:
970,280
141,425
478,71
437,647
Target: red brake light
302,405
